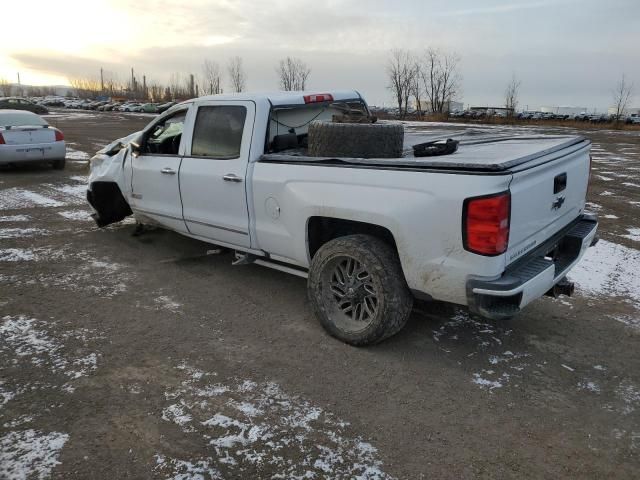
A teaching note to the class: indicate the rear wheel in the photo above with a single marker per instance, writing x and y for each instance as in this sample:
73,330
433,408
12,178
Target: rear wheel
59,164
358,291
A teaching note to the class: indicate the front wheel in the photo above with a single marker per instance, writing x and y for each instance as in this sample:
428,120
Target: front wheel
358,291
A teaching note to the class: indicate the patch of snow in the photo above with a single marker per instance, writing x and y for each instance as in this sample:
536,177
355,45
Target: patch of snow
609,269
606,179
30,454
14,218
567,367
76,154
76,215
606,193
244,423
38,199
612,217
19,421
79,191
29,341
175,413
629,184
185,470
590,386
478,379
16,255
21,232
630,396
634,234
167,303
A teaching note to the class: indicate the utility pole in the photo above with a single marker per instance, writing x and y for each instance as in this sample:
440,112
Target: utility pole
144,86
101,80
19,86
191,89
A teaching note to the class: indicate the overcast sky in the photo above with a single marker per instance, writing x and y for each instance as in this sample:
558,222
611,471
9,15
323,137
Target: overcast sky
565,52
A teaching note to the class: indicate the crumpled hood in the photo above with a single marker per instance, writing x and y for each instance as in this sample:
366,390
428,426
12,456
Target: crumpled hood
107,165
124,141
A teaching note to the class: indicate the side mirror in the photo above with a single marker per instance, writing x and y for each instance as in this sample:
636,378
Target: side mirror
136,149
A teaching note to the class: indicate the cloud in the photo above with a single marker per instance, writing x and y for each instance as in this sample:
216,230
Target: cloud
563,54
504,8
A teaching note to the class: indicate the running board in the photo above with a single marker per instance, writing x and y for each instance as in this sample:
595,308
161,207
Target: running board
282,268
244,258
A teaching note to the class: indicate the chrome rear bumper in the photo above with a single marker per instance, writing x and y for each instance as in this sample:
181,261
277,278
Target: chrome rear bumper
533,276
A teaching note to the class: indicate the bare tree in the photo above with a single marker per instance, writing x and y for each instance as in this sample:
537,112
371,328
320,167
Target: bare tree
85,87
237,76
511,95
212,78
5,87
621,97
440,78
180,86
400,70
417,90
293,74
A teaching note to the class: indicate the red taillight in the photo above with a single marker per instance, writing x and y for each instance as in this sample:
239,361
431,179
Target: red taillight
485,228
59,135
1,140
318,98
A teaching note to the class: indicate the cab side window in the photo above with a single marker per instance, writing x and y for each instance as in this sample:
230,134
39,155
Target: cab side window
164,138
218,132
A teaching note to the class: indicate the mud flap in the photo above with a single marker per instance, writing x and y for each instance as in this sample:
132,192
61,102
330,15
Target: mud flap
108,202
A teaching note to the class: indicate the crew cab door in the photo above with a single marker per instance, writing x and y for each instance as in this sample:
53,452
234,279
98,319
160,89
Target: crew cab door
155,189
213,171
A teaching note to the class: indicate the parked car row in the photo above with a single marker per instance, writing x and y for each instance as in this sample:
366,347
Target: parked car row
16,103
535,115
116,106
39,104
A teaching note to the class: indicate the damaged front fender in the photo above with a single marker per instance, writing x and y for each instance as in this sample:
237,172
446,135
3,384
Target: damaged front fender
110,182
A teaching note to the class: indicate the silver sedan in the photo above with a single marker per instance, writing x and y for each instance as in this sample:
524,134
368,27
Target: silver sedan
27,137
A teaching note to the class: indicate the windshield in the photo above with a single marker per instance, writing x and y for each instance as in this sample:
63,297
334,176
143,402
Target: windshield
18,119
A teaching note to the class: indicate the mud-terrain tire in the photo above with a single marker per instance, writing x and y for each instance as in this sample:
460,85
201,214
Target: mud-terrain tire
59,164
359,140
376,275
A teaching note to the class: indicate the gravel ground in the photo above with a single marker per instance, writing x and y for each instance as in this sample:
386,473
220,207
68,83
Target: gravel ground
153,357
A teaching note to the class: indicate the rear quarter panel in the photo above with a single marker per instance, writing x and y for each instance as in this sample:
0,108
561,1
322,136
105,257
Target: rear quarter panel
423,211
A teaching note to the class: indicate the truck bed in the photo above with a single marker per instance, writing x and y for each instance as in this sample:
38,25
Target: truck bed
477,152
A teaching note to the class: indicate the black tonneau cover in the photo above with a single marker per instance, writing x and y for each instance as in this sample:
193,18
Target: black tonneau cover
476,153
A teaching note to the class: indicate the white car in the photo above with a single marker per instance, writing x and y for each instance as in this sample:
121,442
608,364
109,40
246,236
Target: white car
492,222
27,137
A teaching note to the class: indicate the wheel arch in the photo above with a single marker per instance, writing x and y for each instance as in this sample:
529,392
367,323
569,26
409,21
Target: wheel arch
322,229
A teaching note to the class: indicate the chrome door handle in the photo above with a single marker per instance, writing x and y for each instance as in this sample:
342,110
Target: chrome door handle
168,171
232,177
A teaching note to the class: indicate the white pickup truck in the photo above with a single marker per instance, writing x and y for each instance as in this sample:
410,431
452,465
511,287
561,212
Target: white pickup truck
494,225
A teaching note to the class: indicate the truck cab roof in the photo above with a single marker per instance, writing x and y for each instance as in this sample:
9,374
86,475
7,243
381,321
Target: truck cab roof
283,98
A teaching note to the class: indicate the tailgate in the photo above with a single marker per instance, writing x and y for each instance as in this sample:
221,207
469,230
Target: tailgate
546,198
28,135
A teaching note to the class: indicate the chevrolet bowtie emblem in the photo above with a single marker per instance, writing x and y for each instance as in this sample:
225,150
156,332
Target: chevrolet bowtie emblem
557,203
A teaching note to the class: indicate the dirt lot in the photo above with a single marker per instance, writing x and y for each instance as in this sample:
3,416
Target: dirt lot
147,357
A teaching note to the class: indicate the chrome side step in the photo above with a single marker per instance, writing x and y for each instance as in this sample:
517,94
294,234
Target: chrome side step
244,258
282,268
